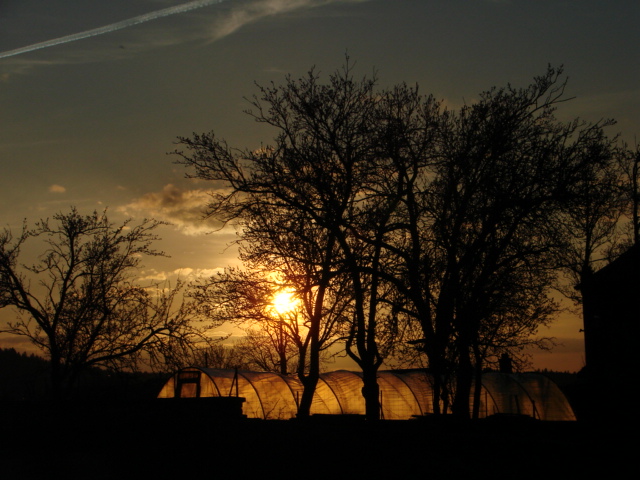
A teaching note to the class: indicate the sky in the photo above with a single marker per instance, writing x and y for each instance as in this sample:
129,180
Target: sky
94,94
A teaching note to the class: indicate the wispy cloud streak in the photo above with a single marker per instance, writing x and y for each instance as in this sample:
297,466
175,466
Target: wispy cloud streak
147,17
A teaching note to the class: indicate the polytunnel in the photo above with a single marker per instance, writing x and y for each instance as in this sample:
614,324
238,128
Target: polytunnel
403,393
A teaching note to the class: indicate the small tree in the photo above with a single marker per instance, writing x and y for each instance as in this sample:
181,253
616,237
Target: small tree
246,299
213,354
78,303
267,350
278,334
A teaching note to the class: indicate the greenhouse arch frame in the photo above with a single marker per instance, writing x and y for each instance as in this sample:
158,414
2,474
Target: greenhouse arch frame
404,394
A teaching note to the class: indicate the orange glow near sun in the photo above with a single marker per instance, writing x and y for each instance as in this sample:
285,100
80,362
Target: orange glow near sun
284,301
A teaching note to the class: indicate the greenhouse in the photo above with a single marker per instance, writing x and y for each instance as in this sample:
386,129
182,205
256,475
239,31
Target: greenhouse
404,394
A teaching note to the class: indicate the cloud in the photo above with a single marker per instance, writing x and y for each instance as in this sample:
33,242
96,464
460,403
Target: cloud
57,189
242,15
184,274
185,209
192,273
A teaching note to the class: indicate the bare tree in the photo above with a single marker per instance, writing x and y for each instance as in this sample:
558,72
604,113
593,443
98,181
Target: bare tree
305,188
216,353
479,194
78,301
246,299
278,336
630,168
590,227
267,351
510,169
601,221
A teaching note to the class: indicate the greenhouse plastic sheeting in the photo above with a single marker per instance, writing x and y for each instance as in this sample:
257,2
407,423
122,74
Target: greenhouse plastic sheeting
403,393
530,394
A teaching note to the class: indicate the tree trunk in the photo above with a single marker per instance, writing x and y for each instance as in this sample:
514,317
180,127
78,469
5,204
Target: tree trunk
310,380
477,388
57,377
371,392
464,380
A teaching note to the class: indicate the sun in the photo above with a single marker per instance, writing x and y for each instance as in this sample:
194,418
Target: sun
284,301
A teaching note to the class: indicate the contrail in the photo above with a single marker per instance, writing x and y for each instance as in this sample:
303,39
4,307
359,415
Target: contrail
147,17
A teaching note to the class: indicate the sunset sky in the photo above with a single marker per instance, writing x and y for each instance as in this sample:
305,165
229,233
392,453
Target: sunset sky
88,114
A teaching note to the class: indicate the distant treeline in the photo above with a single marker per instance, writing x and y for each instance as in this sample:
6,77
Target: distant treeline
27,377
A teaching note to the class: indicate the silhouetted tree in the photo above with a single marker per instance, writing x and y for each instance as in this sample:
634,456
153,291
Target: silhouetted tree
630,167
78,302
600,223
308,187
218,354
510,168
274,340
267,351
590,227
478,194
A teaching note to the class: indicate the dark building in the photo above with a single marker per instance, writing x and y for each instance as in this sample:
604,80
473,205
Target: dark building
611,299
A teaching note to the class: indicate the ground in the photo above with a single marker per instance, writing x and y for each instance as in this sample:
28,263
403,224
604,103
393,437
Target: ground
149,440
